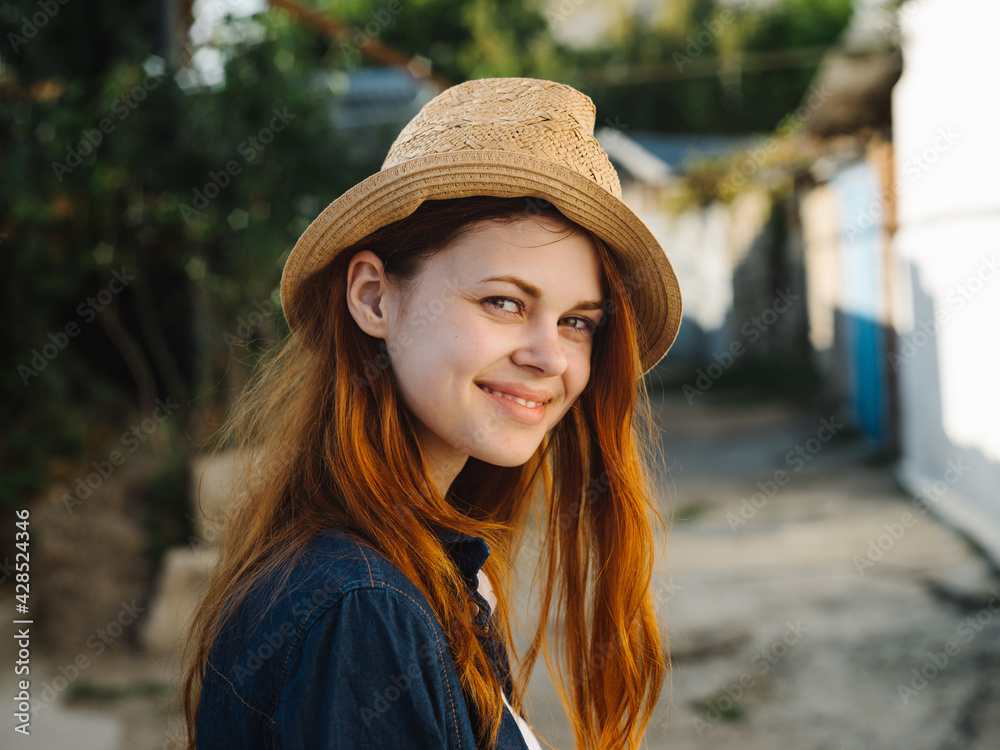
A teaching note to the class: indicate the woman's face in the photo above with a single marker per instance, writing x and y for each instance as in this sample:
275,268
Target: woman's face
490,344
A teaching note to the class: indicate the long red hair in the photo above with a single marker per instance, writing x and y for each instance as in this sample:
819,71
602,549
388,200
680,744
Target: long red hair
322,418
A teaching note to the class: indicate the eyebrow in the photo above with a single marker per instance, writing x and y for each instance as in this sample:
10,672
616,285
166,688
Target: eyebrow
534,292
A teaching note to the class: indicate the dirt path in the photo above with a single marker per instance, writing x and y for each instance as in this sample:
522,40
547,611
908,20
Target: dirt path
826,611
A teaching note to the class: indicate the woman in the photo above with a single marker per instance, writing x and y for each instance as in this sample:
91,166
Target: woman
470,326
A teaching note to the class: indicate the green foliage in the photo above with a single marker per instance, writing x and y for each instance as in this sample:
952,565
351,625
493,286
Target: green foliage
463,38
798,24
674,78
86,691
74,213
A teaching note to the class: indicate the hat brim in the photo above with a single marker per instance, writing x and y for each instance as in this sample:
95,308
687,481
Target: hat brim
396,192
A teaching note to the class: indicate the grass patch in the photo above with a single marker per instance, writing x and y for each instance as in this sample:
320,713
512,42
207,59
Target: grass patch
721,708
690,512
95,693
734,713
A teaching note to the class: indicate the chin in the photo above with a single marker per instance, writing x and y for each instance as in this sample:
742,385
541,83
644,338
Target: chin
508,457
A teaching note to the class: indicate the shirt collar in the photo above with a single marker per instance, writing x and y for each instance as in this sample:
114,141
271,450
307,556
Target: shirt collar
468,553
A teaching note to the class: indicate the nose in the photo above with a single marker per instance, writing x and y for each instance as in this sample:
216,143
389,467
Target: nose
542,349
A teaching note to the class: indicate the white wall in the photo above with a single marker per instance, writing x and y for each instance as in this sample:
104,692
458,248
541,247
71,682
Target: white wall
697,242
946,114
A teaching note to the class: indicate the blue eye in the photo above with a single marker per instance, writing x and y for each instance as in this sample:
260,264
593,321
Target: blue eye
506,305
512,307
580,323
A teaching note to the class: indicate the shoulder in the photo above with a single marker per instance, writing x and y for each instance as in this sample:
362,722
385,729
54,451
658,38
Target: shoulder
334,567
339,577
335,563
344,624
336,583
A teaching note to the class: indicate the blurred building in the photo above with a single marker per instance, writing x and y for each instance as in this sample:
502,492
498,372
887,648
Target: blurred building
724,254
946,261
696,239
846,205
886,220
381,98
903,264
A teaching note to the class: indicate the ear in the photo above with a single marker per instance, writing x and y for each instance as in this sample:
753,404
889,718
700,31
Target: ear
366,289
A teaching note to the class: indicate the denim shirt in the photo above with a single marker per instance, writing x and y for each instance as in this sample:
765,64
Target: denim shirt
350,656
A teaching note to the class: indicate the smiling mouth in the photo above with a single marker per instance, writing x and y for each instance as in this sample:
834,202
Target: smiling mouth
521,401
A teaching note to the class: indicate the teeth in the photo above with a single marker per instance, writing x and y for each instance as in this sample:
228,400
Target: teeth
521,401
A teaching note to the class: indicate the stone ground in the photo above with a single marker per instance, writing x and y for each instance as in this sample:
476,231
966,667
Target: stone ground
781,635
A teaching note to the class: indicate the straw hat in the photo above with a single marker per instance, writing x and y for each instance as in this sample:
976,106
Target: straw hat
502,137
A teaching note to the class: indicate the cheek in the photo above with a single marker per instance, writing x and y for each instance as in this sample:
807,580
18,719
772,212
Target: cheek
436,350
578,373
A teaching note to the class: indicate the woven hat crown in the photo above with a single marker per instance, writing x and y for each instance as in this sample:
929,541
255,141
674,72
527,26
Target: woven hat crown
519,115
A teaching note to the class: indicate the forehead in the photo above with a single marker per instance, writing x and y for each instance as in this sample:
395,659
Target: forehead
538,250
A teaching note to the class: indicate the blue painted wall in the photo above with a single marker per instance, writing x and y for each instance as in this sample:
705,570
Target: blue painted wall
864,312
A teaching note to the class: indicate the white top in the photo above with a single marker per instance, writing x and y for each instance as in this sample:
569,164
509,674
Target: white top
486,591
